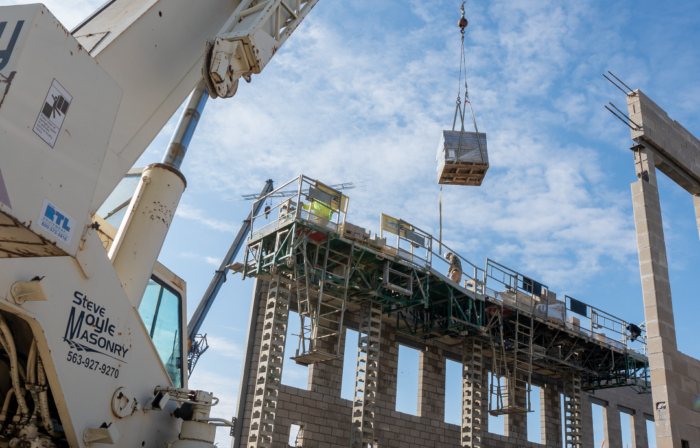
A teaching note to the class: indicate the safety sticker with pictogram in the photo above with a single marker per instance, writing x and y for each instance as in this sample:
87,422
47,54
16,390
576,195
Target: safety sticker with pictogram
52,113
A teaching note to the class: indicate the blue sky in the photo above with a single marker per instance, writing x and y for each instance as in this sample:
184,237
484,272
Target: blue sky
362,90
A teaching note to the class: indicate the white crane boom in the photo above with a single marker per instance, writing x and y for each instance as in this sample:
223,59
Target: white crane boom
155,51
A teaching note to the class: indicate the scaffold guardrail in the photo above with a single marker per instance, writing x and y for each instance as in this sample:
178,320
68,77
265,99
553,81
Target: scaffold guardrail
404,273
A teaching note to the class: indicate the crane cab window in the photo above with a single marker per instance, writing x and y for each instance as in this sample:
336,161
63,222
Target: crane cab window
161,312
116,205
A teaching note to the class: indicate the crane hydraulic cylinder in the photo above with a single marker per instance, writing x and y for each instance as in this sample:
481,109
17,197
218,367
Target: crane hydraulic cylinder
142,233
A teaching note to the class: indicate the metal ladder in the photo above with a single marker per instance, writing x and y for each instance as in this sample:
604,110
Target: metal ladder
572,411
366,376
322,289
473,394
514,368
269,376
522,369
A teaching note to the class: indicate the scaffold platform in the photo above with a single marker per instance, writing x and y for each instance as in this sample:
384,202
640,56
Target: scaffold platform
333,266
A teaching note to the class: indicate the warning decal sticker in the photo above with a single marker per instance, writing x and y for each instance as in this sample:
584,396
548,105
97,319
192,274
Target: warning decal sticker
56,221
52,113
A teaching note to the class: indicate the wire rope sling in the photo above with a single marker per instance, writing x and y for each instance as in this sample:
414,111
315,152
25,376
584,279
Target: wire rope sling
462,157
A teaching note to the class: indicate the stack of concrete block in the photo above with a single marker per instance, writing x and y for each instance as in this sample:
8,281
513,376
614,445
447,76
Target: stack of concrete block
574,323
357,233
377,242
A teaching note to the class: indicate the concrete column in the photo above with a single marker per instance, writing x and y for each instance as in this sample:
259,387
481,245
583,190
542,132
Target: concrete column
639,431
586,422
431,384
326,378
485,403
516,424
388,370
249,389
652,254
550,412
611,424
386,397
658,308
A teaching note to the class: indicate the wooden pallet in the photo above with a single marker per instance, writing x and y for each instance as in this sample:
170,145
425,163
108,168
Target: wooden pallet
462,173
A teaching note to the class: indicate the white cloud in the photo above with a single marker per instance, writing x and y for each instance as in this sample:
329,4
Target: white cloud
188,212
216,262
224,347
213,261
360,110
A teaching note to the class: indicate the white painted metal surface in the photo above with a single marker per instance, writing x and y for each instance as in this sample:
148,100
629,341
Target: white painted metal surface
249,39
49,184
74,117
141,235
154,50
91,341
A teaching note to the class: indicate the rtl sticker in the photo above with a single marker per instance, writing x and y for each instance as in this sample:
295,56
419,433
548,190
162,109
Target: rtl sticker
56,221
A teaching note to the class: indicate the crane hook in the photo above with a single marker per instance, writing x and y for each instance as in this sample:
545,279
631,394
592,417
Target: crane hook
462,24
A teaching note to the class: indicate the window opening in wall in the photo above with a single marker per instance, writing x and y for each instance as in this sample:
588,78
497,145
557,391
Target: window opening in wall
534,419
407,380
685,444
453,392
347,388
651,434
497,425
296,434
598,426
161,313
626,422
293,374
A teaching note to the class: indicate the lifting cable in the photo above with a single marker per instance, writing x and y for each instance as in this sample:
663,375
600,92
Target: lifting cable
440,207
459,110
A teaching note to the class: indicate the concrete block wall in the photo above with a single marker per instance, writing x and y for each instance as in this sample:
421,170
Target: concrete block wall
325,417
431,385
617,404
587,422
516,424
248,392
550,415
612,426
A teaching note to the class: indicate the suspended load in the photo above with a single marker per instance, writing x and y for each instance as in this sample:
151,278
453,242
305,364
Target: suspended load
462,157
